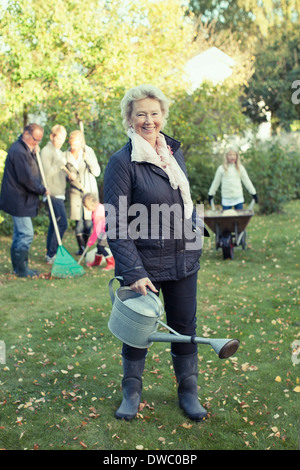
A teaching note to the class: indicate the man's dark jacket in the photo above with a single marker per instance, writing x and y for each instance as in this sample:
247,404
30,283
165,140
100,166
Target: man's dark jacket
21,183
158,257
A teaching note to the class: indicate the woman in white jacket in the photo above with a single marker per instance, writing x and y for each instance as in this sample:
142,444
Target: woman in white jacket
231,175
83,168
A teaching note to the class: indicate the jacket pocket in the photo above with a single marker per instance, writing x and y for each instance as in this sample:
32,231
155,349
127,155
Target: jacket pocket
150,252
149,244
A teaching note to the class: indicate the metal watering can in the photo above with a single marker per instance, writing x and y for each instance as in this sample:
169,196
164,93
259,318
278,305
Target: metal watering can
135,318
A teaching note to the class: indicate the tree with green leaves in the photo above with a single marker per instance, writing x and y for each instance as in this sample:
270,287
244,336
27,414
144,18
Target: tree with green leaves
277,66
230,15
201,121
272,30
70,62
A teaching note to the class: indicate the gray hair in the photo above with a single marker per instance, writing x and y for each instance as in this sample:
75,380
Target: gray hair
30,128
139,93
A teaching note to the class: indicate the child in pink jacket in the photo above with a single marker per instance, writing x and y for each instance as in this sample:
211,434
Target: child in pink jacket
98,235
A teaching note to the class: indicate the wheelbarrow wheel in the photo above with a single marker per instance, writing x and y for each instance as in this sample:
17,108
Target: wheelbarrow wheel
228,252
243,242
227,246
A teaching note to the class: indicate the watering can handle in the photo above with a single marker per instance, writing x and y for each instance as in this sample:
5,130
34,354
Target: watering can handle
111,291
120,279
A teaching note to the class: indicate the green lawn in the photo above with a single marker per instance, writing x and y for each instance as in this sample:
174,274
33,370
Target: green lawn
60,384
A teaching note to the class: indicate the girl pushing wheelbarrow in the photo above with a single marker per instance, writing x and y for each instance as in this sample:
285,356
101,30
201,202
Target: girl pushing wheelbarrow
229,225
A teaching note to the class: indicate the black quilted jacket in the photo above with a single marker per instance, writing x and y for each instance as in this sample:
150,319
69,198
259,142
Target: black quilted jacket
21,183
142,244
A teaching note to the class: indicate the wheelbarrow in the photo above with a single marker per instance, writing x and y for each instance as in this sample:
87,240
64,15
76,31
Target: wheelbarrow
229,227
135,318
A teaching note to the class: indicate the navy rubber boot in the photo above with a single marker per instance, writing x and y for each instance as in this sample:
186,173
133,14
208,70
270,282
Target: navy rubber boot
132,389
186,371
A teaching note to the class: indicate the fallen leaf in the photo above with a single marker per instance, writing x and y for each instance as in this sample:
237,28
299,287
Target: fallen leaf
187,426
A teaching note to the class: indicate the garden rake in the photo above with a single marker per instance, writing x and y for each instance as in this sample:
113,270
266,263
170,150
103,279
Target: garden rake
64,264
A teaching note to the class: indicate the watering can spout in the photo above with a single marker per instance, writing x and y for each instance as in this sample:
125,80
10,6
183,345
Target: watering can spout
223,347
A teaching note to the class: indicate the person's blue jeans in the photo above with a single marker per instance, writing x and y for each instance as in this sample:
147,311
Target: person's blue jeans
62,224
237,207
22,233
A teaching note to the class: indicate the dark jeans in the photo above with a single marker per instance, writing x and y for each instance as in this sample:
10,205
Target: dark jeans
83,228
237,207
62,223
102,250
180,301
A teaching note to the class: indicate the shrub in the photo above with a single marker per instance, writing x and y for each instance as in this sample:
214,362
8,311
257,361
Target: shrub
273,170
202,120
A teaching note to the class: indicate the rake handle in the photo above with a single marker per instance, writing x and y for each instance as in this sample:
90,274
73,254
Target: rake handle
83,254
74,181
49,199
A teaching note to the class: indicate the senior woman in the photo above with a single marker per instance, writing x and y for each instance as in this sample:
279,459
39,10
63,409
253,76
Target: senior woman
83,168
146,174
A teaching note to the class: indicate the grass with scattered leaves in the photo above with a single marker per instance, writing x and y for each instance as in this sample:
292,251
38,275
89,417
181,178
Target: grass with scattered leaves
60,384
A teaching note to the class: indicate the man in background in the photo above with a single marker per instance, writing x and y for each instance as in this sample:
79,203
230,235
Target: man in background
20,191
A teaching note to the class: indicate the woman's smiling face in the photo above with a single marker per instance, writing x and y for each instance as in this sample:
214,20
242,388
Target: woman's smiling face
147,119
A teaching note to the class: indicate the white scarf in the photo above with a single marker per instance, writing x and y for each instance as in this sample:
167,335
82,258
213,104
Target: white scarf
161,156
